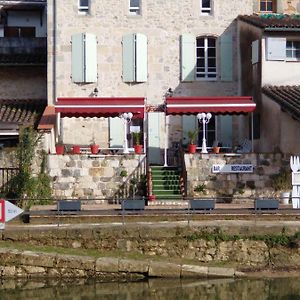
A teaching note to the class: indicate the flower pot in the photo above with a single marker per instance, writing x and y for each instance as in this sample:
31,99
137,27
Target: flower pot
152,198
76,149
285,197
138,149
192,148
94,148
60,149
216,149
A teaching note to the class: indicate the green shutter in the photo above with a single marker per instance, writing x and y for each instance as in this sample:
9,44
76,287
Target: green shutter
154,129
141,58
188,57
116,132
226,56
128,58
189,123
78,57
90,58
225,134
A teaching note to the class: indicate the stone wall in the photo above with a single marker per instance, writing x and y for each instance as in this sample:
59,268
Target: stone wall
256,184
82,176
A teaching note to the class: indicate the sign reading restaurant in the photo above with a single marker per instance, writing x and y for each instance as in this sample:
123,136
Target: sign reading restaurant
238,168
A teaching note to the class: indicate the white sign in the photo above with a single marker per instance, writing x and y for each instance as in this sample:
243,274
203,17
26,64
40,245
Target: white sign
238,168
296,178
135,129
8,211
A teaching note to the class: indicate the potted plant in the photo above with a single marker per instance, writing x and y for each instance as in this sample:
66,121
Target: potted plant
136,139
282,182
76,149
192,135
94,147
59,147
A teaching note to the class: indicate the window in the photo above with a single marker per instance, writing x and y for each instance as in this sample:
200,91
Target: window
83,6
267,6
210,132
293,50
205,7
134,7
206,57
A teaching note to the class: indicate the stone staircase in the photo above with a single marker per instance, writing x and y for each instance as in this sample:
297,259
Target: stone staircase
166,183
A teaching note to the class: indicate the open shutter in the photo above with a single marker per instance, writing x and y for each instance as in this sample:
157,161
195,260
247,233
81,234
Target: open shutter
128,43
116,132
255,52
189,123
78,57
226,56
141,58
276,48
188,57
90,58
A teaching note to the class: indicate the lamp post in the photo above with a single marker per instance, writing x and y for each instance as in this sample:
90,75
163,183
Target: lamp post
126,119
204,119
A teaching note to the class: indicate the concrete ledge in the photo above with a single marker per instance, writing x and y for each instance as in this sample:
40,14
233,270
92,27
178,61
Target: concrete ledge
166,270
193,271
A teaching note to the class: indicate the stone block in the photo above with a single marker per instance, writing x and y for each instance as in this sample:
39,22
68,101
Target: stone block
35,259
166,270
220,272
107,265
194,271
8,271
133,266
31,270
75,262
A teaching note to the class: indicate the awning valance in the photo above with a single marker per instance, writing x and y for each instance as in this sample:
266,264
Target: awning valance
100,107
218,105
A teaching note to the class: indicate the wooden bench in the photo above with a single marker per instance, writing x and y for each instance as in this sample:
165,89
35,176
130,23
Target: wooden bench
133,204
202,204
260,204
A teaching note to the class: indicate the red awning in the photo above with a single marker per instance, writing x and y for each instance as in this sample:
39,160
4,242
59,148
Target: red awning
218,105
100,107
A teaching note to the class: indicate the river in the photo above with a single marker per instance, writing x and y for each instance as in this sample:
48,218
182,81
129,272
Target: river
215,289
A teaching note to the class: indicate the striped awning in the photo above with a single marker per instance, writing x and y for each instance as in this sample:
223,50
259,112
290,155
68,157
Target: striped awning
218,105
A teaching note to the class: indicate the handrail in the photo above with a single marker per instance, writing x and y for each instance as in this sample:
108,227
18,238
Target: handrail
183,173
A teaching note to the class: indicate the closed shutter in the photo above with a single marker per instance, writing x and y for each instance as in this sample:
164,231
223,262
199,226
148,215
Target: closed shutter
188,57
78,57
189,123
141,58
226,56
275,48
255,52
128,43
116,132
154,130
90,58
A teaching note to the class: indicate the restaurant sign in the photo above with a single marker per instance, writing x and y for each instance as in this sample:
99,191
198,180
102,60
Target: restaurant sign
238,168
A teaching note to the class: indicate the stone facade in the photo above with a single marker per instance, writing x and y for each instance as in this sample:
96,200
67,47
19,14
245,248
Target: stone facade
81,176
234,185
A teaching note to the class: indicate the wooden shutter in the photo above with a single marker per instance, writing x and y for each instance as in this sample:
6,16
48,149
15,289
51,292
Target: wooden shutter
255,52
188,57
78,57
128,43
90,58
141,58
275,48
116,132
154,129
226,56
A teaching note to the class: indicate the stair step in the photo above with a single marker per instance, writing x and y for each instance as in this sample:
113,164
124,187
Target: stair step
168,197
163,168
166,192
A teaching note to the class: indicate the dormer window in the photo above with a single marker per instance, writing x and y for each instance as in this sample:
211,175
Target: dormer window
205,7
267,6
83,6
135,7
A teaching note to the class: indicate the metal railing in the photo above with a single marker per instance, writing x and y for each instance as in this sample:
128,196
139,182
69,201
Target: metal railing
6,175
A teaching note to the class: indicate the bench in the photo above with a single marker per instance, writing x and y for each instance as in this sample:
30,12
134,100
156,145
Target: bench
266,204
68,205
133,204
202,204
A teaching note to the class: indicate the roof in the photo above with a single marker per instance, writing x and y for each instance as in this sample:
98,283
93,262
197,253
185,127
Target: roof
273,21
100,107
288,97
218,105
48,119
21,111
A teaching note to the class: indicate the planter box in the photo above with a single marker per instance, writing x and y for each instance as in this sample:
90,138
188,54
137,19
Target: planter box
266,204
64,205
205,204
133,204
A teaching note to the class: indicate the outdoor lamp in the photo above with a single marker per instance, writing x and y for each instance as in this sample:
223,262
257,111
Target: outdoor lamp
126,119
204,119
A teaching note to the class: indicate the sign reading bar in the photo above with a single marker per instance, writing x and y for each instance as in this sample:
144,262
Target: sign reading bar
238,168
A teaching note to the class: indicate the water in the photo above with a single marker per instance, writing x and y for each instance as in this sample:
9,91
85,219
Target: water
158,289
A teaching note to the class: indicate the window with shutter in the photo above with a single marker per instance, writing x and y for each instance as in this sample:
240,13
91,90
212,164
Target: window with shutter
135,58
267,6
226,56
188,57
275,48
205,7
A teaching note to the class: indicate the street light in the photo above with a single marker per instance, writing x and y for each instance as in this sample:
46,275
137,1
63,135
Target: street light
126,119
204,119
